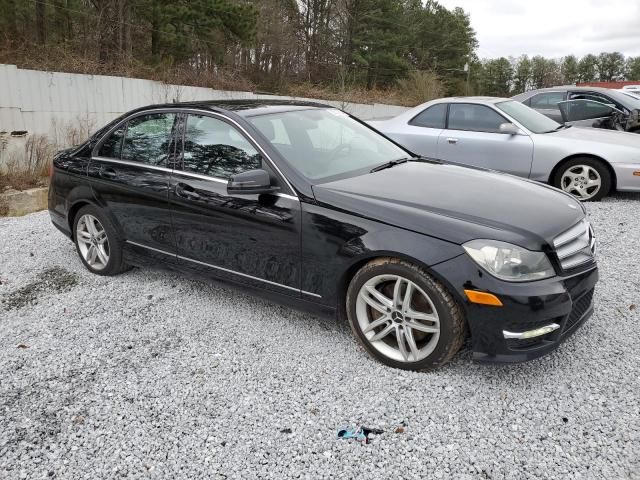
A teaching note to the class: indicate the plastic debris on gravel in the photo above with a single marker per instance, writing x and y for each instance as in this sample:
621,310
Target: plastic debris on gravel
154,375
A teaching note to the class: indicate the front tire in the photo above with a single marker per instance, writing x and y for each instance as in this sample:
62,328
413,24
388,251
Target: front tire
403,317
588,179
97,242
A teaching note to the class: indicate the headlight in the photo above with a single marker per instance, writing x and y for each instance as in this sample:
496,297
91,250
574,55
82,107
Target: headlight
509,262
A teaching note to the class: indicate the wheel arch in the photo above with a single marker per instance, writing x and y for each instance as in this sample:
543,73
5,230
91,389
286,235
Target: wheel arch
73,212
591,156
357,264
78,204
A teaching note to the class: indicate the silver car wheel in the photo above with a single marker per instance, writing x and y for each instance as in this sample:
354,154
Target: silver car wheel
398,318
583,181
93,242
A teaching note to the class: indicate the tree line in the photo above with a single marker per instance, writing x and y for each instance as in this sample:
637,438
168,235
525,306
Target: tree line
508,76
414,47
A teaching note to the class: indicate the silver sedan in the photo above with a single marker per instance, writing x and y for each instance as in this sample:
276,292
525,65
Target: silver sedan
505,135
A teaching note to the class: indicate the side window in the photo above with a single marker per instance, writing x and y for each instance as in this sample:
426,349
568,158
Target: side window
432,117
594,97
476,118
213,147
112,146
147,138
548,101
587,110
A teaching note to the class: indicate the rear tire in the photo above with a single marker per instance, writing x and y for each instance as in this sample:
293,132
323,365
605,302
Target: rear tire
97,242
403,317
587,179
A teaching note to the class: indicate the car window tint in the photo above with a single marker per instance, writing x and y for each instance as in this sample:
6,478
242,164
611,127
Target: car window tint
477,118
432,117
213,147
587,110
547,100
147,139
112,146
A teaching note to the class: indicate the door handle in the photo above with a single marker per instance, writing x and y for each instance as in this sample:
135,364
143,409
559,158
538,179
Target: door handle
452,141
186,191
107,172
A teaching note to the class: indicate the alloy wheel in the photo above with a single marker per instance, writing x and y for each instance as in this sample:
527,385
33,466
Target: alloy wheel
583,181
93,242
398,318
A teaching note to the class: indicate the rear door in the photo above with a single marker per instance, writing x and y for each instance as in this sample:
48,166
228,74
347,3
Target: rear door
473,138
130,172
253,239
547,104
420,134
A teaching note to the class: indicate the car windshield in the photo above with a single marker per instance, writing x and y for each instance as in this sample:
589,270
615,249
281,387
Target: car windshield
528,117
326,143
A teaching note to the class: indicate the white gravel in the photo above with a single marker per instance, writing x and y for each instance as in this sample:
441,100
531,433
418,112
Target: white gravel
150,374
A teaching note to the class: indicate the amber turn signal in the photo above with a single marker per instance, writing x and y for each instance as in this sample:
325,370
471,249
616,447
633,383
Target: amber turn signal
483,298
637,174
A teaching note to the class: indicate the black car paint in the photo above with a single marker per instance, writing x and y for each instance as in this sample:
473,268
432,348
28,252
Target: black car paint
304,250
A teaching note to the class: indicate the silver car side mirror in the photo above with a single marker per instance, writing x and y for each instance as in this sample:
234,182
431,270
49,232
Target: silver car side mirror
509,129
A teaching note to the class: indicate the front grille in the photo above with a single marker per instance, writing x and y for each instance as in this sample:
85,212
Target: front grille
580,306
575,246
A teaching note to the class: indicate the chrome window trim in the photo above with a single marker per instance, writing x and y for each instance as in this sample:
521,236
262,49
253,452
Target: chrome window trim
180,172
179,110
222,269
200,176
132,164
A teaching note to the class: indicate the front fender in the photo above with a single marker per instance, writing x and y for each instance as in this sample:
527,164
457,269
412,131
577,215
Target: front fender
335,244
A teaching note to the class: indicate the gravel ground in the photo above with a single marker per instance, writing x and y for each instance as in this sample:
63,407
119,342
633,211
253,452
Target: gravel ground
153,375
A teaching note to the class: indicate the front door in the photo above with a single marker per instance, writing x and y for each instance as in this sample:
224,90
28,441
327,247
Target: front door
130,173
473,138
252,239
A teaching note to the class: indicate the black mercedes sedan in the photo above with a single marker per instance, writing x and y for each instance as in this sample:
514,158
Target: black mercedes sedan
303,202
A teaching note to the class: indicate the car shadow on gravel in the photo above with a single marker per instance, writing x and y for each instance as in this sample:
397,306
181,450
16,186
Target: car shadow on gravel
52,280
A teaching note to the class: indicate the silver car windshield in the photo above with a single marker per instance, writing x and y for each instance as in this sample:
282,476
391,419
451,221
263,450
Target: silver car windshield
324,143
528,117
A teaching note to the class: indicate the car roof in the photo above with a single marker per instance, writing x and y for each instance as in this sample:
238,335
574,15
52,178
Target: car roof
244,107
472,99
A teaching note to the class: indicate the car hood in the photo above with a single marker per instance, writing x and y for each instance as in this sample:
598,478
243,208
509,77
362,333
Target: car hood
456,203
600,135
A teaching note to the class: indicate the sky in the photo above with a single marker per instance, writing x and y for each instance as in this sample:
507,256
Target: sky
553,28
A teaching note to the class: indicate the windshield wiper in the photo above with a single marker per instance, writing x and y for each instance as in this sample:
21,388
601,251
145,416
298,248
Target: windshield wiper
559,127
389,164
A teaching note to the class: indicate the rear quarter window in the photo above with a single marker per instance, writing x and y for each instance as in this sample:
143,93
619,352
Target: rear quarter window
112,146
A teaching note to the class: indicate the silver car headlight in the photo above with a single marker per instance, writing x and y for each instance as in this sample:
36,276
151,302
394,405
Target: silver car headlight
509,262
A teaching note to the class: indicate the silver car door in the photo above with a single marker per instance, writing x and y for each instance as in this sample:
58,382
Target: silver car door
473,138
420,134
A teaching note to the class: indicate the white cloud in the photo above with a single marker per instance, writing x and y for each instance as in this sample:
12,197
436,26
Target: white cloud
553,28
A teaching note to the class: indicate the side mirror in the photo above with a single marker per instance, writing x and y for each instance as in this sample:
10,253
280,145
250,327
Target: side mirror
509,129
250,182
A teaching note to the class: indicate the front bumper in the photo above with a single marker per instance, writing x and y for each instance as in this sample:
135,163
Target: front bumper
566,301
